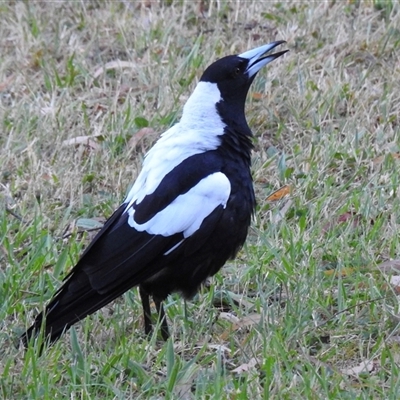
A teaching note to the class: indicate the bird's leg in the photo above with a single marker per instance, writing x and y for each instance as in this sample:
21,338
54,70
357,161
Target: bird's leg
162,319
185,310
146,310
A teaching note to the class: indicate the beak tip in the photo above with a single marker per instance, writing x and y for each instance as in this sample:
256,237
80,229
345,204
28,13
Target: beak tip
258,57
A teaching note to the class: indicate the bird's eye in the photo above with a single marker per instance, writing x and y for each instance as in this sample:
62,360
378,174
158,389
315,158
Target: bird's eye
237,71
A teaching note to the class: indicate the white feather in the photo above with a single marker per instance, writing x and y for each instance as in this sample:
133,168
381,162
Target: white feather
187,212
174,247
198,131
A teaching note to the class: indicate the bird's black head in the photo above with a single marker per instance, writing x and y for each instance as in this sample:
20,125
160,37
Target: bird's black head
229,73
234,74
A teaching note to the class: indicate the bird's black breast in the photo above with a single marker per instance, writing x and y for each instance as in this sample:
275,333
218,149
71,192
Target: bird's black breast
218,239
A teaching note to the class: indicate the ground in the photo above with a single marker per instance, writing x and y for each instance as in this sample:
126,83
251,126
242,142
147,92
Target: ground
309,309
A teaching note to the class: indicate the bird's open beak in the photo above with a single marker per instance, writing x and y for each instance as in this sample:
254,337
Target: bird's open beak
258,57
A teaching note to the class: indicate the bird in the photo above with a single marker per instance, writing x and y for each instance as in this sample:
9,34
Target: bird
186,215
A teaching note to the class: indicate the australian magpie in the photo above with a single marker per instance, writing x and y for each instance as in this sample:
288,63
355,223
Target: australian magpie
187,213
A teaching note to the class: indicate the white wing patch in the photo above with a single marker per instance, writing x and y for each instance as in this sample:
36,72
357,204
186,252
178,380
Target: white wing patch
187,212
198,131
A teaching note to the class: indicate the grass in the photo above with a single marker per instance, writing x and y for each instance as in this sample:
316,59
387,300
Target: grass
305,303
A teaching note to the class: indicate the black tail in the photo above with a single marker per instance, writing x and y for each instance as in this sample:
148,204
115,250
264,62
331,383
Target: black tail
117,259
75,300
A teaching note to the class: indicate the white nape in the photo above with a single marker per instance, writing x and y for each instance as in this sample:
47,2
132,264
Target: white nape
198,131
